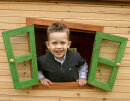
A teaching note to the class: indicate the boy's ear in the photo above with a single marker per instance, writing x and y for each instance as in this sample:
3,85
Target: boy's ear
69,44
47,44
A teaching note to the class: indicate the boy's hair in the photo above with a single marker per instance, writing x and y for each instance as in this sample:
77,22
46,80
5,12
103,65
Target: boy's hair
57,27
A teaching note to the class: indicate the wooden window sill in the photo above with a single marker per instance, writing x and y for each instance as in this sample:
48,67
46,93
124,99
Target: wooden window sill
62,85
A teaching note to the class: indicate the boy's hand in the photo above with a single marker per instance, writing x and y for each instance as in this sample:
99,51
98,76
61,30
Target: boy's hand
82,82
45,82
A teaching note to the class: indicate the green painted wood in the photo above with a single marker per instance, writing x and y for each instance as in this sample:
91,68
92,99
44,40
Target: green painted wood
106,61
97,59
102,85
17,59
73,49
23,58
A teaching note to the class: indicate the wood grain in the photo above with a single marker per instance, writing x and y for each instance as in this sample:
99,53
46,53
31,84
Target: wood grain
114,19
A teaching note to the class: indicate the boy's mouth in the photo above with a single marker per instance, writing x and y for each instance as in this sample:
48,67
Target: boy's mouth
59,51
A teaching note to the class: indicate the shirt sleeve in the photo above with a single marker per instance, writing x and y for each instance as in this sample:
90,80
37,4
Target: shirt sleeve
40,75
83,70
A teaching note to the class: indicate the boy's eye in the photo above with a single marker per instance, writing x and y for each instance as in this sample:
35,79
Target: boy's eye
54,43
62,43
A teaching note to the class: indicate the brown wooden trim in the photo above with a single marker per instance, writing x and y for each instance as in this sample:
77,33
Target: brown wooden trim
62,85
97,2
30,21
117,0
74,1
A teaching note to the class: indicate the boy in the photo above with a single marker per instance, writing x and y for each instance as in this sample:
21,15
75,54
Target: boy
61,64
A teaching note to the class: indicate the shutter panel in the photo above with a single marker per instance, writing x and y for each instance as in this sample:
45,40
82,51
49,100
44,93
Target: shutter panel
13,60
106,62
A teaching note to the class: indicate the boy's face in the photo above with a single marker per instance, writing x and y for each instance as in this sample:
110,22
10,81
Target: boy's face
58,43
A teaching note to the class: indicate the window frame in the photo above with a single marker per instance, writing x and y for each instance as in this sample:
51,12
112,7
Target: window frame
73,26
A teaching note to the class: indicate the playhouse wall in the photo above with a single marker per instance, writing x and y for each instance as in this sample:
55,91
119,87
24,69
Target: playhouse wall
116,21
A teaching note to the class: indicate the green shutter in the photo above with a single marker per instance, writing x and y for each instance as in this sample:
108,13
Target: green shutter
110,62
21,58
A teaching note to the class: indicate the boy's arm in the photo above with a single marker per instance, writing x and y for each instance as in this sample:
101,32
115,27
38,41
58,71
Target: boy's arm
40,75
83,75
83,71
44,81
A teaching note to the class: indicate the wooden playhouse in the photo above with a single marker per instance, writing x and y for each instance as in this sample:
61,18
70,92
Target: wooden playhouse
100,32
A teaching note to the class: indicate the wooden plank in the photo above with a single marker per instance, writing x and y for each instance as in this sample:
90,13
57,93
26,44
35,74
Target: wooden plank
123,35
4,66
6,85
128,44
93,99
35,7
35,98
22,66
111,50
122,82
5,73
94,21
119,89
126,57
103,69
117,30
3,60
16,52
64,93
99,9
75,15
16,20
22,72
103,76
102,22
116,2
2,47
112,56
17,39
38,3
63,7
125,63
7,26
6,79
113,44
27,98
16,46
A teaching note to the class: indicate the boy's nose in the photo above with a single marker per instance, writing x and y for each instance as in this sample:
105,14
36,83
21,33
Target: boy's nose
59,46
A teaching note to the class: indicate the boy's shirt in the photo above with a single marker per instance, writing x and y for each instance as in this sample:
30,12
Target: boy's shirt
82,69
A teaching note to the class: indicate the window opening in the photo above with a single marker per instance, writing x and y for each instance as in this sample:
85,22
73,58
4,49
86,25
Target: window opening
82,40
